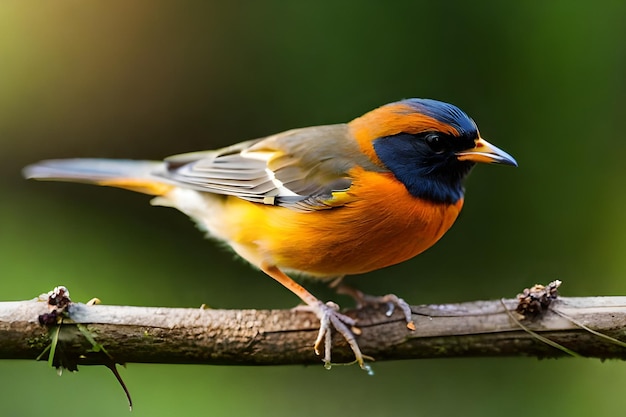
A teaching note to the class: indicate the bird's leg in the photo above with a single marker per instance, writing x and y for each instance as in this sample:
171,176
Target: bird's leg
329,316
390,300
336,282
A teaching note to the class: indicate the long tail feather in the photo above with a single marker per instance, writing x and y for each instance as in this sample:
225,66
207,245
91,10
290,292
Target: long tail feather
123,173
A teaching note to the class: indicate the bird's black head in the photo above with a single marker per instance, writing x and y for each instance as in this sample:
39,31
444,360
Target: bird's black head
433,153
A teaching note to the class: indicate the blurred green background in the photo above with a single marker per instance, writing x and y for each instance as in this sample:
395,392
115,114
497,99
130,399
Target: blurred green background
146,79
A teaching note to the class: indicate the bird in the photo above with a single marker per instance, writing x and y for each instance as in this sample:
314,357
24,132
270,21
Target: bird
324,201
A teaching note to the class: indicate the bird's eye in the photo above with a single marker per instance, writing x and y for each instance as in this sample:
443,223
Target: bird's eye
436,142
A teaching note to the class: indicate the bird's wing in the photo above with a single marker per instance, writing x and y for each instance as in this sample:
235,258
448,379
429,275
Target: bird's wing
306,169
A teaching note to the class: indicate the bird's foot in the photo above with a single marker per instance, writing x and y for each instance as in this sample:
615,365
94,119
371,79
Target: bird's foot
330,317
390,301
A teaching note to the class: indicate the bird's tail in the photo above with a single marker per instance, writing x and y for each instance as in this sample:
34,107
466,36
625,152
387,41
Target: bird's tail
132,175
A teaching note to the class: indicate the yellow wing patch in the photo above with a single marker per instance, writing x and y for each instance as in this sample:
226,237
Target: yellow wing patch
144,186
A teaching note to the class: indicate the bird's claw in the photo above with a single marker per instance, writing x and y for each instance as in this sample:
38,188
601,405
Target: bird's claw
391,301
330,317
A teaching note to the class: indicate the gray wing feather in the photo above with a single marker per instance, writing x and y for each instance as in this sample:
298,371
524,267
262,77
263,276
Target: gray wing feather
299,169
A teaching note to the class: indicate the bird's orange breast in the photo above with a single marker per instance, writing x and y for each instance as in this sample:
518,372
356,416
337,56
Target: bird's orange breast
382,225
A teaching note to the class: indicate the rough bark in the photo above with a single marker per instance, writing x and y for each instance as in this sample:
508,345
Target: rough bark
278,337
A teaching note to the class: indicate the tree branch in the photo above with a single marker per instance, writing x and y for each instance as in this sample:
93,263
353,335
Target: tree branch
277,337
